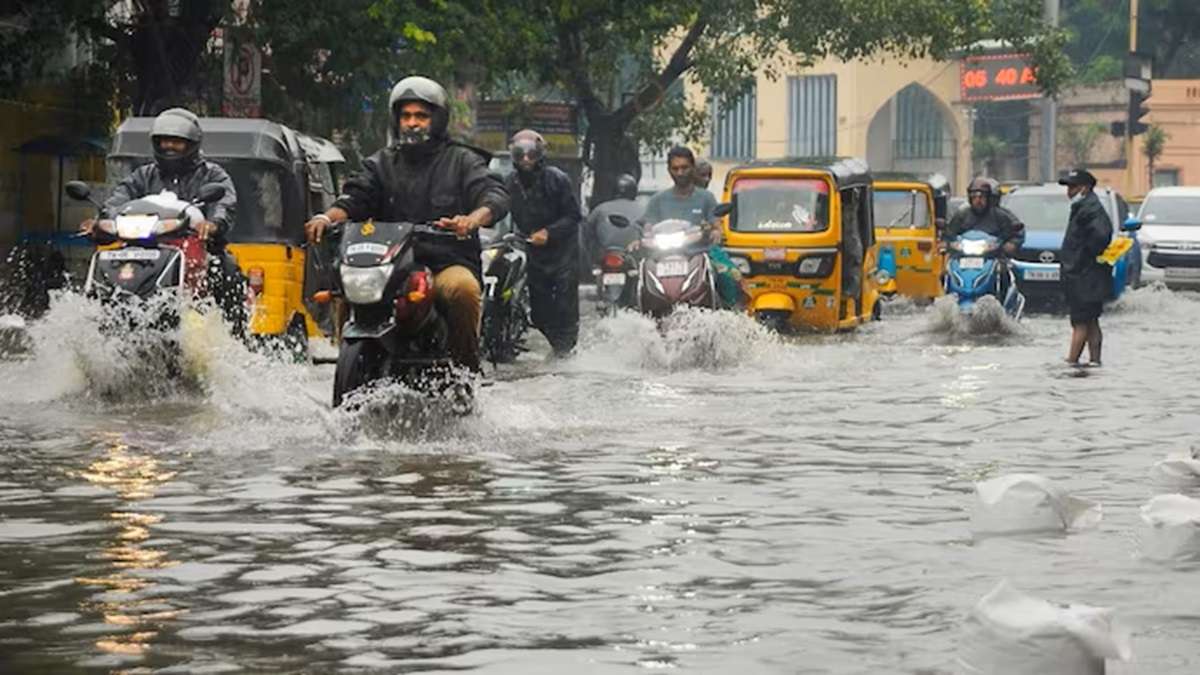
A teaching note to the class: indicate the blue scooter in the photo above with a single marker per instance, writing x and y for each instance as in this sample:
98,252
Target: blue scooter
974,271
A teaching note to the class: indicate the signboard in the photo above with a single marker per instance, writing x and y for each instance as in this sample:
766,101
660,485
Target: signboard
997,77
497,121
243,79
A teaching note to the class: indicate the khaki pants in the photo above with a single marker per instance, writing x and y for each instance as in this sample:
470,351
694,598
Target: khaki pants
457,292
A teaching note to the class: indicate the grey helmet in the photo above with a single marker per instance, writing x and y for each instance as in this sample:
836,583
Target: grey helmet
177,123
626,186
422,90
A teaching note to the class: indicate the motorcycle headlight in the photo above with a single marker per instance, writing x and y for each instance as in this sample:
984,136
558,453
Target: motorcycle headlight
669,241
882,276
364,285
975,247
809,265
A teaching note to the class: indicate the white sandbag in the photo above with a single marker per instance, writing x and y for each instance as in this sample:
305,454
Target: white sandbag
1025,502
1181,468
1171,527
1010,633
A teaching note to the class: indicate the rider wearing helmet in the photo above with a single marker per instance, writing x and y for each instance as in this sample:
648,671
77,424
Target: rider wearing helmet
179,166
600,235
424,176
986,214
545,208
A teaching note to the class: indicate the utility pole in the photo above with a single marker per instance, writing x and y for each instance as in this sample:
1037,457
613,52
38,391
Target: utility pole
1049,106
1130,148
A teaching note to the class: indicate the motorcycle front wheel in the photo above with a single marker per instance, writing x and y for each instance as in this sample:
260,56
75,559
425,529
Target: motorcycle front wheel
357,366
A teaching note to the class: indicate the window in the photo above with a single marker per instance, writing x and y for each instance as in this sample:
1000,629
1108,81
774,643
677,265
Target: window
735,126
901,208
780,205
812,116
1166,177
918,125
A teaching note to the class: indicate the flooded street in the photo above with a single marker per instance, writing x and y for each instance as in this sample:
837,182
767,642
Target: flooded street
713,500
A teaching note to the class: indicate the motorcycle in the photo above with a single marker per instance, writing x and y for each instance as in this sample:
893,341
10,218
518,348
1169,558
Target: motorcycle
614,281
674,268
974,270
505,299
150,250
394,330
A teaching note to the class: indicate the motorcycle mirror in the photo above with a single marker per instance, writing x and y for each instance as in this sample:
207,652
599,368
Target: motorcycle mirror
723,209
78,190
1131,224
213,192
618,220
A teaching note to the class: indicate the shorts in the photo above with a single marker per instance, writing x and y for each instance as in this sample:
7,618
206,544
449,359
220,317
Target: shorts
1085,312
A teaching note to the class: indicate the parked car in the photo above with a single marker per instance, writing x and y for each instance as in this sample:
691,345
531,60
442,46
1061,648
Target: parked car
1170,234
1045,210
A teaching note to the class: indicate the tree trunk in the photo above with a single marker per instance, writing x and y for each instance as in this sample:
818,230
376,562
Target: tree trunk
609,152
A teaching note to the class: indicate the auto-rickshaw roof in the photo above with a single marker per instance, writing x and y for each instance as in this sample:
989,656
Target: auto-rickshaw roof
224,138
846,171
936,181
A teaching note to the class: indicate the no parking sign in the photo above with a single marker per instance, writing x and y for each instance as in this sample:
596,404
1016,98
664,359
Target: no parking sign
243,79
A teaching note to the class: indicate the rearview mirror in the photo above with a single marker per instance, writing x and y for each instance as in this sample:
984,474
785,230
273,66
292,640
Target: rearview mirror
618,220
1131,224
213,192
78,190
723,209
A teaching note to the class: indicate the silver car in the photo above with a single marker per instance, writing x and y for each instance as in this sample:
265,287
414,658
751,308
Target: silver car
1170,236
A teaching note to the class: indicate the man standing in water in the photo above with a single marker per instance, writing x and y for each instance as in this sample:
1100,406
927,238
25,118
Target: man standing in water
546,209
1086,281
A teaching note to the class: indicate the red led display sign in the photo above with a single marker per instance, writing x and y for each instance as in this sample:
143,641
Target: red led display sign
997,77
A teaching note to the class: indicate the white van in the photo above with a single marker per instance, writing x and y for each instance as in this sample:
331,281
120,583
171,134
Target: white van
1170,236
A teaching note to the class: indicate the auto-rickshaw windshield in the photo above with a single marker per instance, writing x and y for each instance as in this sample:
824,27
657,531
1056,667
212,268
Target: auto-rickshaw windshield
901,208
780,205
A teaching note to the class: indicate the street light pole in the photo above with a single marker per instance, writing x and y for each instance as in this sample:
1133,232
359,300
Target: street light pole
1049,109
1130,149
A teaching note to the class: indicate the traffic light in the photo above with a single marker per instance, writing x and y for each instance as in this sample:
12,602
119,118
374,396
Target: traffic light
1137,110
1117,128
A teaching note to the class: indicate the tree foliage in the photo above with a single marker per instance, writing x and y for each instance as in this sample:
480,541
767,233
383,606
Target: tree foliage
1080,140
1169,30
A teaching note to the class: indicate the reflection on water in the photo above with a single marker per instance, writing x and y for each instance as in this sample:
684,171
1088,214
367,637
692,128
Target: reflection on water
700,495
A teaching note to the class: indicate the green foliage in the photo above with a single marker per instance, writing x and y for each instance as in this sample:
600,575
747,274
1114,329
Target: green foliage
1080,140
1099,37
1154,143
986,150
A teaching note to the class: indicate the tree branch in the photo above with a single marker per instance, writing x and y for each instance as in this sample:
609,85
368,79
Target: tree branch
654,91
571,49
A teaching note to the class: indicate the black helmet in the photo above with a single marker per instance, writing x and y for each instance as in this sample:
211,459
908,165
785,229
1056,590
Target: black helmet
527,144
626,186
989,188
421,90
177,123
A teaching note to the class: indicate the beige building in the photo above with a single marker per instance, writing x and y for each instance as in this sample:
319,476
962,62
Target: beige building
898,115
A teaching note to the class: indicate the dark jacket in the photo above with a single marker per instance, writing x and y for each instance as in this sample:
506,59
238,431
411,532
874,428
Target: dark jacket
599,234
996,221
450,180
148,179
549,203
1085,280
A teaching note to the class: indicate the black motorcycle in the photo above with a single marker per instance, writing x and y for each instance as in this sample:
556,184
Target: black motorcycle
394,330
505,299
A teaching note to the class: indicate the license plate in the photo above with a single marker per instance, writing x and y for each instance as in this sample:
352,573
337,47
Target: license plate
131,254
613,279
671,268
1041,275
774,254
970,263
1182,272
368,247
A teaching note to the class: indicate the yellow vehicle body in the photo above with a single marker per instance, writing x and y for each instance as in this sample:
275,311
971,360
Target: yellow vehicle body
280,302
914,241
771,261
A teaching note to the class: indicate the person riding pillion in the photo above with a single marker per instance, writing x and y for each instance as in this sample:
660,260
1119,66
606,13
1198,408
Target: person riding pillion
546,209
423,176
179,167
599,234
986,214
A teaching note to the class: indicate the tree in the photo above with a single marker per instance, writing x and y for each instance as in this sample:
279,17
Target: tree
1153,144
1099,37
621,61
1080,140
149,51
987,150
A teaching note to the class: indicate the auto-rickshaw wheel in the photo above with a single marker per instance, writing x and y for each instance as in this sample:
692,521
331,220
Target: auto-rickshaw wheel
774,320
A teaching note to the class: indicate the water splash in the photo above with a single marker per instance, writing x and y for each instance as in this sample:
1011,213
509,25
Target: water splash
987,319
688,339
1155,299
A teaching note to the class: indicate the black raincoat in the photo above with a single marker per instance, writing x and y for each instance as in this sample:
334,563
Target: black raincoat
1085,280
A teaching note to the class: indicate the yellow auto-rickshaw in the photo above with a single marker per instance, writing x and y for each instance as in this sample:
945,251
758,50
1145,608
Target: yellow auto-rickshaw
802,233
281,177
910,213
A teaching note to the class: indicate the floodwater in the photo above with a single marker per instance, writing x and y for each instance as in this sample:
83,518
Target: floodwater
710,500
